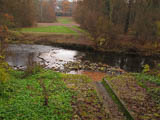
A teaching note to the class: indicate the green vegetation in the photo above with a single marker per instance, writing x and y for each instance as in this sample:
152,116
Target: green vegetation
40,94
4,76
148,78
23,98
150,83
109,31
51,29
87,105
64,20
135,90
117,100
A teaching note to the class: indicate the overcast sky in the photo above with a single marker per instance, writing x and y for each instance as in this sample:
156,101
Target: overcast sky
70,0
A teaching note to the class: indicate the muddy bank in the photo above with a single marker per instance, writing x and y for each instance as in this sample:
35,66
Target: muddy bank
77,42
81,42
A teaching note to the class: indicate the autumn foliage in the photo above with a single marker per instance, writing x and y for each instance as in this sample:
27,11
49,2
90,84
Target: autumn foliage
107,20
46,11
66,7
21,11
4,21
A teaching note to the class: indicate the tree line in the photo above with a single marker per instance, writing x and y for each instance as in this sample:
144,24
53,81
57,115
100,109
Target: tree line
26,13
107,20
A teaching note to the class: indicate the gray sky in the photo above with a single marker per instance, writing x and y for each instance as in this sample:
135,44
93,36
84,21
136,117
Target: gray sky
70,0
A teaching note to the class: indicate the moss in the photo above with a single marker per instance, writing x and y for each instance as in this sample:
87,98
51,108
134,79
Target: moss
117,101
136,89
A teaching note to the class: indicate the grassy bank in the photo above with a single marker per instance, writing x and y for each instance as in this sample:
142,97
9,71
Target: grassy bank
139,93
23,98
81,41
65,33
48,95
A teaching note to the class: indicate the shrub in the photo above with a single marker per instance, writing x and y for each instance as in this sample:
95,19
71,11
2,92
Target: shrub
32,67
106,32
106,19
146,68
145,28
4,74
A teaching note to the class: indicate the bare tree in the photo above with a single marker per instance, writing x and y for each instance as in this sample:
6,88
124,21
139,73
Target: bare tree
130,2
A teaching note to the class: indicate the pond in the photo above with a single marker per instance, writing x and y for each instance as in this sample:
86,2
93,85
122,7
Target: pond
56,57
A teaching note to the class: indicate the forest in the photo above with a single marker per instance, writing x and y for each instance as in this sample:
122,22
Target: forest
79,59
119,23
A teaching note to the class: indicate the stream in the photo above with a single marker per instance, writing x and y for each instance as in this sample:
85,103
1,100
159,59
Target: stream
56,58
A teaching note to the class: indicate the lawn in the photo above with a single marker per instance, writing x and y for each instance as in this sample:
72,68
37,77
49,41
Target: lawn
50,29
64,20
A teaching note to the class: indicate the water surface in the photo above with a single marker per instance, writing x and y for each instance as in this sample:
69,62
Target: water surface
55,57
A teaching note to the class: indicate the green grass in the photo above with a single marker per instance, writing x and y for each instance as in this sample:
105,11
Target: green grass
64,20
50,29
148,78
23,98
150,83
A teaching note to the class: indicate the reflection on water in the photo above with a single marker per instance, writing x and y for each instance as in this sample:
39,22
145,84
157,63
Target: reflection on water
131,63
54,57
58,57
50,56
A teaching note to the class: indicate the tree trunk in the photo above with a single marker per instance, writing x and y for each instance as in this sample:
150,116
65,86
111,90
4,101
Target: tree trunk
108,8
127,22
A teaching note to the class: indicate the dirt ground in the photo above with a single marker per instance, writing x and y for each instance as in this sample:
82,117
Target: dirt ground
57,24
47,38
